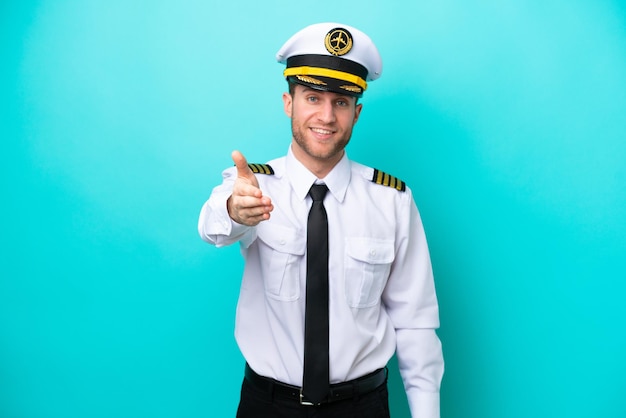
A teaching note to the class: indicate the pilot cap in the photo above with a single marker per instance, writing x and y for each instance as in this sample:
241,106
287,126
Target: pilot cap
331,57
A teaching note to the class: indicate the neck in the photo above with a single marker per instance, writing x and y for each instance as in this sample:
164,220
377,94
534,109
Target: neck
318,166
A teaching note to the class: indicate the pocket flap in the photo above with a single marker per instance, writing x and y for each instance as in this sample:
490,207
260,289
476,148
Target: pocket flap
282,238
370,250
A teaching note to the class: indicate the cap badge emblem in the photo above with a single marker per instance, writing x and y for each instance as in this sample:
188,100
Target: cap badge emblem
338,41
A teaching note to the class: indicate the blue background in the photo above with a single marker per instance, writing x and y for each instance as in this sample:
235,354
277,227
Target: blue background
116,119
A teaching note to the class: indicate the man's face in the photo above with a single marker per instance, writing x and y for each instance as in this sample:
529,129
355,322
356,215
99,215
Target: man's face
321,124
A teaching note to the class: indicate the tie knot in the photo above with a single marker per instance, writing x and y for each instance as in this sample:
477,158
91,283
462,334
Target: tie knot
318,191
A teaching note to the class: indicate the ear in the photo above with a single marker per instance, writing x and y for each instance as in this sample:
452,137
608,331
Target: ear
357,113
287,103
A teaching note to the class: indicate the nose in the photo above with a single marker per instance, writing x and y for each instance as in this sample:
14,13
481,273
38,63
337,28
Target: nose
326,112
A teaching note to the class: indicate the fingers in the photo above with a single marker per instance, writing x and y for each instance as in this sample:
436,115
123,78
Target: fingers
247,205
240,162
243,187
249,210
243,171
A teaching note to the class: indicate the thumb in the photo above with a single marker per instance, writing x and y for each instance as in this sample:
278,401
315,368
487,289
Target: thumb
243,170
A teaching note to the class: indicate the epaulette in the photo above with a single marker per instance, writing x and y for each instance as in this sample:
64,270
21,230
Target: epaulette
261,168
390,181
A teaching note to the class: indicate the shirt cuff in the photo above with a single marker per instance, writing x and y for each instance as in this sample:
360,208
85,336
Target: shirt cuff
424,404
216,226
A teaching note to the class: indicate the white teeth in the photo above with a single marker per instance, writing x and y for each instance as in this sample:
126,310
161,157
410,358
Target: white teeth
321,131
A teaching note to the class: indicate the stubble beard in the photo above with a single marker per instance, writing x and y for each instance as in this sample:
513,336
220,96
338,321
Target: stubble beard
337,148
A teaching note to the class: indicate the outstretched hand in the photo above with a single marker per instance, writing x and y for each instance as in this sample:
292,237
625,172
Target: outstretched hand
247,205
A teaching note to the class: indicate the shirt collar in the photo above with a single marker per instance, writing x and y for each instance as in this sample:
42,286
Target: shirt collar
302,179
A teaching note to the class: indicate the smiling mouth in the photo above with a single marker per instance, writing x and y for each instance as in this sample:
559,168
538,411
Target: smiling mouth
322,131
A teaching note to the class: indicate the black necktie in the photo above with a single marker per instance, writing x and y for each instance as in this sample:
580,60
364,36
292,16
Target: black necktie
316,377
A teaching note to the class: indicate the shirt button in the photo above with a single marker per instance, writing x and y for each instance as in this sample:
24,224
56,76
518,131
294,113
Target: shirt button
282,242
373,252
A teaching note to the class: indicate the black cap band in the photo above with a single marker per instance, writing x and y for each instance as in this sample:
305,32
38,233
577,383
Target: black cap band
328,61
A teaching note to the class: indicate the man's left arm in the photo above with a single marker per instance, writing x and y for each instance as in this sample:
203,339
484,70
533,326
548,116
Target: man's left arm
420,361
411,302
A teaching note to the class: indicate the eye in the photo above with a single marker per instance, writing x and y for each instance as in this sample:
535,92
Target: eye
312,99
342,103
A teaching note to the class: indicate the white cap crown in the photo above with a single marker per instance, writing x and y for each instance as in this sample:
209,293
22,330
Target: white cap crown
325,55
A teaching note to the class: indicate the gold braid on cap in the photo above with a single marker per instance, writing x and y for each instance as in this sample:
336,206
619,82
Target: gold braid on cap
310,80
353,89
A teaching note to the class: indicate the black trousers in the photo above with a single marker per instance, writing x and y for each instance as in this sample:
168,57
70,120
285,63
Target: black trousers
255,403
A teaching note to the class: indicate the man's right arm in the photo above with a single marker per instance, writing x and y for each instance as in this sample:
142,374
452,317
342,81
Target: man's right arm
234,207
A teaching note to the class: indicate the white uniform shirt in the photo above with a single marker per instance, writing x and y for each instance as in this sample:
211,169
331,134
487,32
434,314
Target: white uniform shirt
382,295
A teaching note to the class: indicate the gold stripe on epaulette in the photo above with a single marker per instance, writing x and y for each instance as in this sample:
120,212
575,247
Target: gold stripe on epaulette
385,179
261,168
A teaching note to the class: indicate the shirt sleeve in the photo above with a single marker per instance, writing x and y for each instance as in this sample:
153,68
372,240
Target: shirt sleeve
215,226
412,305
420,361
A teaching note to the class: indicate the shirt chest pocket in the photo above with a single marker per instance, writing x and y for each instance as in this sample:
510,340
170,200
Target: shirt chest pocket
281,256
367,266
